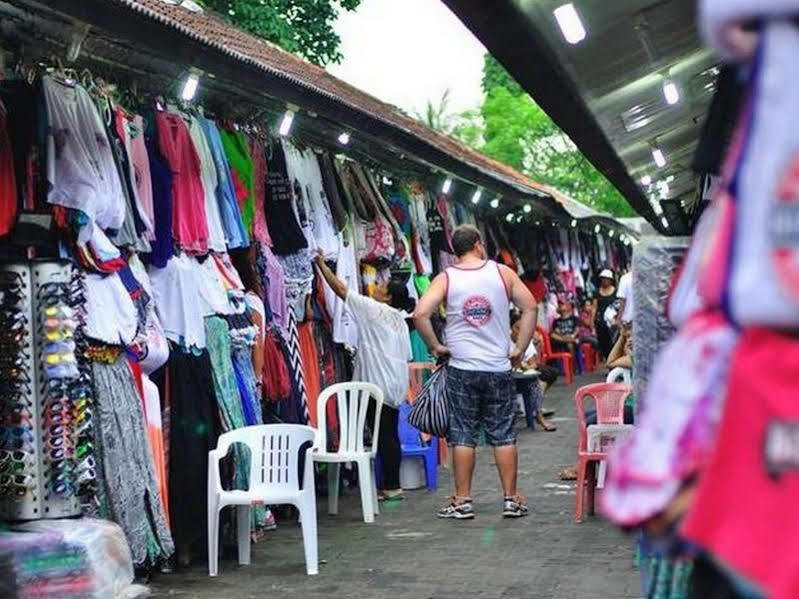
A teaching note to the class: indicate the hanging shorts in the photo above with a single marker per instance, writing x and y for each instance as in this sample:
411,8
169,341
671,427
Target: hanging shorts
481,400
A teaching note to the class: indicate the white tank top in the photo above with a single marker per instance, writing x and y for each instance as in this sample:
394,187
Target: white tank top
478,318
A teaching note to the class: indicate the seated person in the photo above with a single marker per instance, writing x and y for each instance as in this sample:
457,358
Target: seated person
585,331
621,356
531,389
564,333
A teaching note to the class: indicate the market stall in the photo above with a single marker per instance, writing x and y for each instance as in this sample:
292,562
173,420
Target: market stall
159,225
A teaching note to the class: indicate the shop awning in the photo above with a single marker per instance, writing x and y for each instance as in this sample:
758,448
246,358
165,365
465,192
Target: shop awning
607,91
154,43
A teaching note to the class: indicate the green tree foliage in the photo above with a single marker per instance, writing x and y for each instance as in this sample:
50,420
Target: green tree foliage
304,27
510,127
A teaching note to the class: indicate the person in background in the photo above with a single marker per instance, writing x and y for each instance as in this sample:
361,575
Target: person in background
532,389
480,387
621,356
605,298
564,333
384,350
625,294
586,330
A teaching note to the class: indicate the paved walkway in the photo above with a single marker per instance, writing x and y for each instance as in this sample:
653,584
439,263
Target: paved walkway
408,553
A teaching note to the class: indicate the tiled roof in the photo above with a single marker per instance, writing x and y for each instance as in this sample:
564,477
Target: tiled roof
211,30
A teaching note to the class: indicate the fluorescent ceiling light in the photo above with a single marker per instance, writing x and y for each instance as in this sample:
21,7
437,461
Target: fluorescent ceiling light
509,217
495,203
190,87
646,180
670,178
659,157
597,229
476,197
528,208
570,24
447,186
344,138
665,222
286,123
671,92
611,233
574,223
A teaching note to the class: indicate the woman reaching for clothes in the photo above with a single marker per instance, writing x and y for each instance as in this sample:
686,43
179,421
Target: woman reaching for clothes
384,350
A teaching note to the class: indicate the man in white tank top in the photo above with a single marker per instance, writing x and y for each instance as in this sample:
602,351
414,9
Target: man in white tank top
481,393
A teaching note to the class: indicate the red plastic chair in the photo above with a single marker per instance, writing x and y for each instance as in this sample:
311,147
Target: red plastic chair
609,401
418,372
564,357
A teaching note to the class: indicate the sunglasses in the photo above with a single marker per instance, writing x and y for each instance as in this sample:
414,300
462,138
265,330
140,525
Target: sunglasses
57,454
62,488
11,295
64,358
16,373
84,450
8,433
55,442
13,410
61,299
86,477
16,456
63,370
12,335
10,278
17,443
17,480
13,467
10,386
63,476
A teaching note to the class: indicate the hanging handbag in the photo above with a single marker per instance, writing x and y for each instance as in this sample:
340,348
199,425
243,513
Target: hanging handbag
429,413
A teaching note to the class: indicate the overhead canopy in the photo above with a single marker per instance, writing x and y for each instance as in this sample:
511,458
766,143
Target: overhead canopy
153,43
606,92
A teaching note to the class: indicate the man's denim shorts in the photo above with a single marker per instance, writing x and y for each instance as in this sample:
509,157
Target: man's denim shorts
481,400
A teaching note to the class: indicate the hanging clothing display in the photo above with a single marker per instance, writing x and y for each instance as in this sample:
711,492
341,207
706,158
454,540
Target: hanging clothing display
189,224
175,340
128,472
288,238
235,234
8,178
241,168
260,230
210,182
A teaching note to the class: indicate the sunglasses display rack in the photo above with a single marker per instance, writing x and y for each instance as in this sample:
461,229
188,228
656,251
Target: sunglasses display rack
38,426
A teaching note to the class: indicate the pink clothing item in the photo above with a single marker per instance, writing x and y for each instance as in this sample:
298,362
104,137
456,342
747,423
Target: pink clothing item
676,432
141,167
189,224
276,290
744,511
260,229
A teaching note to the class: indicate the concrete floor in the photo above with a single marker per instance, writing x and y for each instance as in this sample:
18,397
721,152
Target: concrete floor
408,553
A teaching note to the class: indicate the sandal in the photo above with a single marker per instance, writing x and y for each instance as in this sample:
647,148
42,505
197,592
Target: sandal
545,424
568,473
394,495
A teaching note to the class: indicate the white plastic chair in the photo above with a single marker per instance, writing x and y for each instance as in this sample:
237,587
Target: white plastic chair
353,402
274,480
620,375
